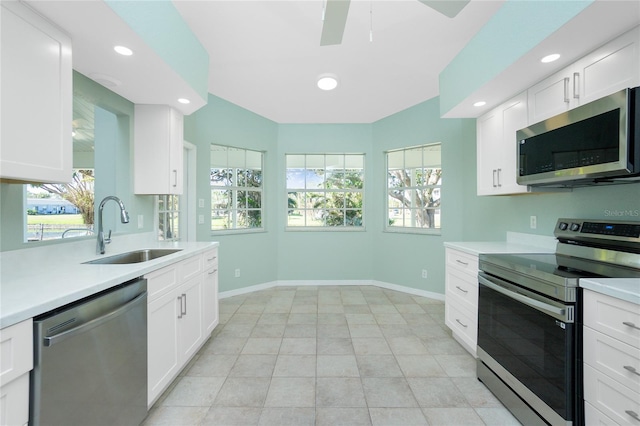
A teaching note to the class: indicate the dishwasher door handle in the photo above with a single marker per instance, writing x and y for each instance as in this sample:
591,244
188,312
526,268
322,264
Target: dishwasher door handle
57,338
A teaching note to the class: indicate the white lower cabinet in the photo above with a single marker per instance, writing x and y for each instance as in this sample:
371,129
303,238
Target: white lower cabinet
16,360
182,299
611,360
210,311
461,297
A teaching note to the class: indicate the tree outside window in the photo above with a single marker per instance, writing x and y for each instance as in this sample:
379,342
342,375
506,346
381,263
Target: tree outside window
414,189
325,190
236,188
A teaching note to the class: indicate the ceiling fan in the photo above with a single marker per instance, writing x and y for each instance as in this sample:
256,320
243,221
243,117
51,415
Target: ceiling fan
335,16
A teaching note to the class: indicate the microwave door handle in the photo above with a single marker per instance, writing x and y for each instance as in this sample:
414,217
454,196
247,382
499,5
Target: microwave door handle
556,312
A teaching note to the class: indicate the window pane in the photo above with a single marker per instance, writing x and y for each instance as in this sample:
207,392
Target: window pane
240,172
319,193
414,179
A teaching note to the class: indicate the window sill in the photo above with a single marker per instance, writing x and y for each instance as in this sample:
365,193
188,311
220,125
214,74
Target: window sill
420,231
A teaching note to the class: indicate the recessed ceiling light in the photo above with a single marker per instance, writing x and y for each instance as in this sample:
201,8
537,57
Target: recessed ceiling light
125,51
184,101
327,81
550,58
479,104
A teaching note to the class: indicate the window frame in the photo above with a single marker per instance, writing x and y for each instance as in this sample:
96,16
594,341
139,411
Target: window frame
344,209
235,188
387,189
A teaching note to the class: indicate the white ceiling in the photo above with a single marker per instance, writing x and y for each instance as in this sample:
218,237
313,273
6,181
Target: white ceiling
265,55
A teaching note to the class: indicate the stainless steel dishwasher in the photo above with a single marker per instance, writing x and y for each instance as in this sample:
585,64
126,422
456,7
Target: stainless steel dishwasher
90,365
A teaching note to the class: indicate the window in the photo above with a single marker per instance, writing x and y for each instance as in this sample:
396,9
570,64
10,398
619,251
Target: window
236,188
169,217
414,181
325,190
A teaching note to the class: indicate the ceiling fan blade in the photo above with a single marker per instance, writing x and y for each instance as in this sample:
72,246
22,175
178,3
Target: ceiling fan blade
335,19
449,8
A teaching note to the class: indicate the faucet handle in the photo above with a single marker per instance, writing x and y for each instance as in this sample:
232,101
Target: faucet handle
108,239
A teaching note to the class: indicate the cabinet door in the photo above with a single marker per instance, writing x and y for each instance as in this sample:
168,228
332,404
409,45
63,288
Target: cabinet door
190,317
162,340
489,139
210,312
550,97
613,67
36,98
158,150
514,118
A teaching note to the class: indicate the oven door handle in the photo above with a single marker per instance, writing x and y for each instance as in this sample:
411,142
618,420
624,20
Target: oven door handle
556,312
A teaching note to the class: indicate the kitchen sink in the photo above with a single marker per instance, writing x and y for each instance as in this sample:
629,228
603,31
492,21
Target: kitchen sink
136,256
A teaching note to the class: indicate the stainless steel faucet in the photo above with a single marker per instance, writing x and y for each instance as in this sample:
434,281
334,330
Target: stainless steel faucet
124,218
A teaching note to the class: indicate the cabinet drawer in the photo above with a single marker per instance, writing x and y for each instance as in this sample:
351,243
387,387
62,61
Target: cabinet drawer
16,351
463,262
617,318
161,281
593,416
210,258
462,286
462,324
610,397
613,358
190,268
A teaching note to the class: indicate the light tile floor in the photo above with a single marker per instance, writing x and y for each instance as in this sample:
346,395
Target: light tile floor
330,355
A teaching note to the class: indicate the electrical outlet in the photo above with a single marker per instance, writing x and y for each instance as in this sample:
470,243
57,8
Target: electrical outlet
533,222
140,221
424,273
201,219
237,273
201,203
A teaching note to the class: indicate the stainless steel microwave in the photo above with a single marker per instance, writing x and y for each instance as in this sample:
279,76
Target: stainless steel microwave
593,143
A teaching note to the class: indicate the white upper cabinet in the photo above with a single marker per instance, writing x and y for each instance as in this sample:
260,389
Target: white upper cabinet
497,147
36,97
158,147
612,67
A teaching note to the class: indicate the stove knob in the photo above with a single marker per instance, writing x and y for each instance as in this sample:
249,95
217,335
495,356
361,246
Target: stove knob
563,226
575,226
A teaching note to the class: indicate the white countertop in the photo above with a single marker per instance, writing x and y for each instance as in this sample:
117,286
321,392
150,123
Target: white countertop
36,280
621,288
515,243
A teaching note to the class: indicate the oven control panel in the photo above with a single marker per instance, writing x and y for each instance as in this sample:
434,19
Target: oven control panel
598,229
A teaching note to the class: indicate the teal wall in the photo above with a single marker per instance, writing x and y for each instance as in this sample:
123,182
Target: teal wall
224,123
400,258
328,255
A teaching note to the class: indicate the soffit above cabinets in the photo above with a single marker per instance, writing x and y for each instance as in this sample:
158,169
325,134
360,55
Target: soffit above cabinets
265,56
143,78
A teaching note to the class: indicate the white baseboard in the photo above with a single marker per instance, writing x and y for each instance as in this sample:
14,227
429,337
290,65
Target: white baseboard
303,283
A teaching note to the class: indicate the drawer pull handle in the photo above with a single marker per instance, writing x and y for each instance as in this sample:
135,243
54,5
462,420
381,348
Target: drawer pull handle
462,289
630,324
462,263
213,258
461,323
633,370
633,414
213,272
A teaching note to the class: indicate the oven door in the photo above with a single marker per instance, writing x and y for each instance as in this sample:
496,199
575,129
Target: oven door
528,341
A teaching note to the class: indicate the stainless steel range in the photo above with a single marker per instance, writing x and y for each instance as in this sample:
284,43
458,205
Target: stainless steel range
529,317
